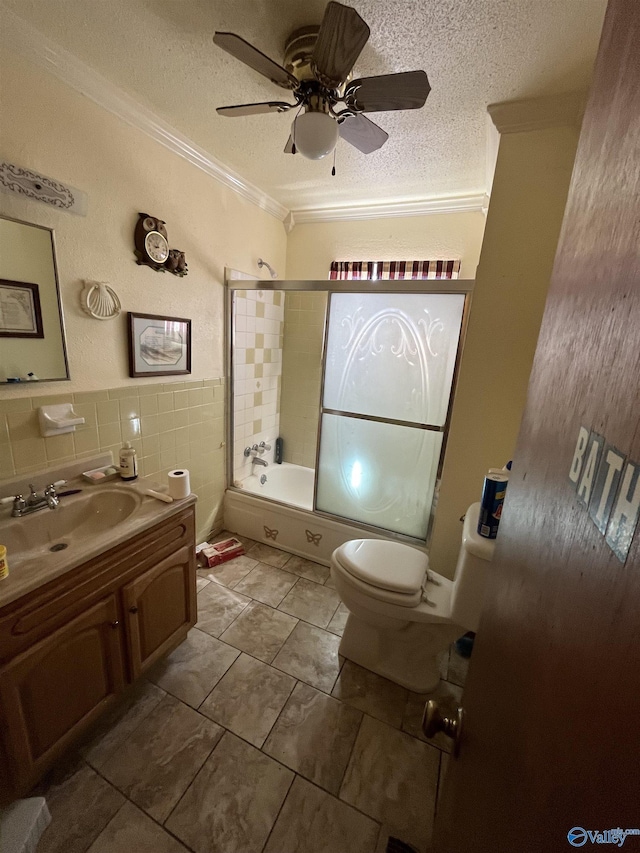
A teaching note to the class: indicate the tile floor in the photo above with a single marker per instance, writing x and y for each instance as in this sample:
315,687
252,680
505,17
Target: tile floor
255,735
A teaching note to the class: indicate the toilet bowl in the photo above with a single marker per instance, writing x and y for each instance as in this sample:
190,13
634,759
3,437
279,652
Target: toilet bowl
402,615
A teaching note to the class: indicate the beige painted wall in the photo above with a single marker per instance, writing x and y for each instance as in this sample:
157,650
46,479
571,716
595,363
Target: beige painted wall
311,247
523,225
50,128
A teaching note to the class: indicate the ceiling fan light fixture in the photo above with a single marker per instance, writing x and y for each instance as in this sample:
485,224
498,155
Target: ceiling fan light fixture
315,134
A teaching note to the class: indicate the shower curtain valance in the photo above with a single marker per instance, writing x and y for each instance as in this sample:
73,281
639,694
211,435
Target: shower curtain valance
373,270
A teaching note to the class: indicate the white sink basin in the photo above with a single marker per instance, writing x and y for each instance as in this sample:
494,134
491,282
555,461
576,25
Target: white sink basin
76,521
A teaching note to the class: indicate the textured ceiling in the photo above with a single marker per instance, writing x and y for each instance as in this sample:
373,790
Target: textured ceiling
476,52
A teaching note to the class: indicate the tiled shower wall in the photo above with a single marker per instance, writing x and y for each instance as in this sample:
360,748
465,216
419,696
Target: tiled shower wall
304,316
178,424
257,369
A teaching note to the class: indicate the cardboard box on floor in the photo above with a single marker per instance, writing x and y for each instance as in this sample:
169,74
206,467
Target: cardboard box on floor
212,555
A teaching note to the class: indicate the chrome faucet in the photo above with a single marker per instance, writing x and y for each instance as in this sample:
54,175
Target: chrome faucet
34,501
256,461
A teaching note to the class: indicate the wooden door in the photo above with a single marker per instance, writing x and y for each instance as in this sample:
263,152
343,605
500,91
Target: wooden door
552,740
160,607
58,687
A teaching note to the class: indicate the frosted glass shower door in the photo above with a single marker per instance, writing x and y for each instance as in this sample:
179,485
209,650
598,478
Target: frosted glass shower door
389,366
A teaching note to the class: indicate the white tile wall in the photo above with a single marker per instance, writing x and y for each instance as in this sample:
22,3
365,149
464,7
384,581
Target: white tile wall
257,372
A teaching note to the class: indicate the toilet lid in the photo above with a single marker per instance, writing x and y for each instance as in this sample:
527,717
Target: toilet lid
386,565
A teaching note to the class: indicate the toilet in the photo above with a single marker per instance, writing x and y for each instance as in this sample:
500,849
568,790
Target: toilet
402,614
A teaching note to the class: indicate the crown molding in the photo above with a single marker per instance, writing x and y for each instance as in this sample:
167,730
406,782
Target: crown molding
33,45
423,207
539,113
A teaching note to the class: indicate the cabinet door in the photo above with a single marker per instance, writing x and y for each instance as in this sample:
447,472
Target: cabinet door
56,688
160,607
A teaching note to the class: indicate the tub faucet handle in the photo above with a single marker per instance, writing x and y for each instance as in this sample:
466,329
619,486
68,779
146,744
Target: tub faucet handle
263,446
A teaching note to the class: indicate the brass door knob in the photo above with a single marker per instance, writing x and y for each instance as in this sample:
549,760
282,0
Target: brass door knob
433,721
133,609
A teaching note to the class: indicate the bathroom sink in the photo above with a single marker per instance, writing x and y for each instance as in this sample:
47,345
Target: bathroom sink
77,520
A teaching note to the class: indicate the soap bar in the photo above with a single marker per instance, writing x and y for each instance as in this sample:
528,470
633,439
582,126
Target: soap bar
97,475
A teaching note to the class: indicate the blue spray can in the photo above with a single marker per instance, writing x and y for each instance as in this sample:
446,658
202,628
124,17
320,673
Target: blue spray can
493,492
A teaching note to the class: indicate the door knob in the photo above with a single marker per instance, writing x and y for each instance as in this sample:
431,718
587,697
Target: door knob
133,609
433,721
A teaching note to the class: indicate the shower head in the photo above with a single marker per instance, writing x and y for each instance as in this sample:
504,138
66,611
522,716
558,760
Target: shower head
272,272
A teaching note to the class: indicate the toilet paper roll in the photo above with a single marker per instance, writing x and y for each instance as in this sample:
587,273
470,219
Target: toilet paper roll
179,486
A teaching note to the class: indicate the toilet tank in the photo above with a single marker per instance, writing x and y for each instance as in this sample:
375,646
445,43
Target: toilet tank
472,572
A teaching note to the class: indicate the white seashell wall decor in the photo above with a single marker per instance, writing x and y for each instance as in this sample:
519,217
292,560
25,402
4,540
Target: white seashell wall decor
99,300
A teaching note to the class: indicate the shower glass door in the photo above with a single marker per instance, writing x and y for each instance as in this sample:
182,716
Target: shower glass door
389,366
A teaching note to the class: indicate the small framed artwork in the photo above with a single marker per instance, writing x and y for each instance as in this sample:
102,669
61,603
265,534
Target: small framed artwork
159,346
20,314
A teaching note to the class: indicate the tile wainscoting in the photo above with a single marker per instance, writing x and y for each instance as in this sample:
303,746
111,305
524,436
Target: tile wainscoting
170,425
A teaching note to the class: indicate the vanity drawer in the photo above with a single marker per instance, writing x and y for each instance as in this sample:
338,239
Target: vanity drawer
36,614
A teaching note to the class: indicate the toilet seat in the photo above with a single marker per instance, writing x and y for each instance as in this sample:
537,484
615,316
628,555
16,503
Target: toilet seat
400,605
385,565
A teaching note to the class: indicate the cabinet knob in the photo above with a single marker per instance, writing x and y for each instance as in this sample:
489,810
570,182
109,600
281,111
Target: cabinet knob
115,624
133,609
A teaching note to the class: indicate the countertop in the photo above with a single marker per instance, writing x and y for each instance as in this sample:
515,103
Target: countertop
26,575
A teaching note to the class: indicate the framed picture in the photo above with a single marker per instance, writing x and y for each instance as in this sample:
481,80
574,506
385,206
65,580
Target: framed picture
159,346
20,314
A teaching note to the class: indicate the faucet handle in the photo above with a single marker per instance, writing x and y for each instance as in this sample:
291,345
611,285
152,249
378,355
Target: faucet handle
51,488
264,446
11,499
19,504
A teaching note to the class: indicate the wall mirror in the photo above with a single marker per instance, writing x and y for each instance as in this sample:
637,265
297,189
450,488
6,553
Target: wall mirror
31,322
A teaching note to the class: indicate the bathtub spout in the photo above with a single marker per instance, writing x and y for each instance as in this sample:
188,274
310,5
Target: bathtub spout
256,461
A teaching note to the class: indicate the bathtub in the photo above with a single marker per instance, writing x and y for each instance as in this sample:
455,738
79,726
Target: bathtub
287,483
279,513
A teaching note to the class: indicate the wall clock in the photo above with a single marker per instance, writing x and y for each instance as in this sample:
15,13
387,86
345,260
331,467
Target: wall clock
152,247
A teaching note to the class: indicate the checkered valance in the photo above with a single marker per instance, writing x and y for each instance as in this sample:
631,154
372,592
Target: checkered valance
350,270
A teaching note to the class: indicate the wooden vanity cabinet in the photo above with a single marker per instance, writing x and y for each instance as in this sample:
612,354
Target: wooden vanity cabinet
69,648
160,608
59,686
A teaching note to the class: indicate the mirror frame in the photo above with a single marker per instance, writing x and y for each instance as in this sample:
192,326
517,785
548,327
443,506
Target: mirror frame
63,330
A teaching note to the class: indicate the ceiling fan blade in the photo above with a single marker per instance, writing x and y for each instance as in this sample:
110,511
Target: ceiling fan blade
362,133
255,59
405,91
288,148
342,36
254,109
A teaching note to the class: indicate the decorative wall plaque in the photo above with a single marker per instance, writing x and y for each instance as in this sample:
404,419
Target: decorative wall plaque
24,182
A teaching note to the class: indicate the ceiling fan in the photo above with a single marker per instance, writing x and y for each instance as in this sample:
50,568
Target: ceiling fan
316,70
